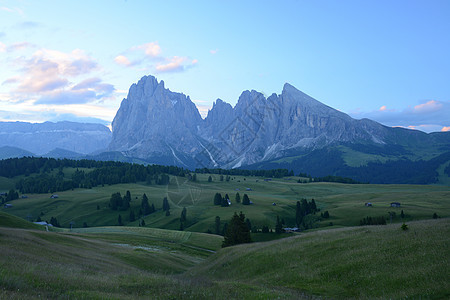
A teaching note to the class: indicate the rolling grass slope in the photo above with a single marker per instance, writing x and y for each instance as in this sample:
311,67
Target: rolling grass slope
345,202
7,220
107,263
371,262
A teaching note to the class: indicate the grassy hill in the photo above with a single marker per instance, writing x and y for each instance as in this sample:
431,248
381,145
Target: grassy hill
345,202
379,262
7,220
370,262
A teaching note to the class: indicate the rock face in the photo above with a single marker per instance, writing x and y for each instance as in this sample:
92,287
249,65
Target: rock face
161,126
41,138
155,123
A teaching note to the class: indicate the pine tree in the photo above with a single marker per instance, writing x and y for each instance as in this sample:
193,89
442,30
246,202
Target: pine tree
313,206
278,226
132,216
238,198
145,206
298,214
217,225
119,220
115,202
249,224
237,231
209,178
217,199
224,202
245,200
166,205
183,215
126,201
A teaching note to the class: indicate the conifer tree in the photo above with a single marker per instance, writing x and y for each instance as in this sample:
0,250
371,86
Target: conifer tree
217,225
132,216
278,226
217,199
145,206
166,205
237,231
238,198
245,200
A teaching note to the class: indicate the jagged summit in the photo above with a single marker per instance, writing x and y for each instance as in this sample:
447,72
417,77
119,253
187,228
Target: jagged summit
162,126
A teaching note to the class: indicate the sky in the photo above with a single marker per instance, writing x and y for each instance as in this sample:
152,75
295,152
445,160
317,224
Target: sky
75,60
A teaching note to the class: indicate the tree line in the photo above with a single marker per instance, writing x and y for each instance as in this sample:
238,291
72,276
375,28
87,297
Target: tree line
225,200
103,172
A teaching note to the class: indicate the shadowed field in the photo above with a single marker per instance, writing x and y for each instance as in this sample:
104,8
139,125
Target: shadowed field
370,262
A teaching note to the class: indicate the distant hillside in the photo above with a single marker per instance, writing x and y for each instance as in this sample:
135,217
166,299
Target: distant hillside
366,164
11,152
62,153
41,138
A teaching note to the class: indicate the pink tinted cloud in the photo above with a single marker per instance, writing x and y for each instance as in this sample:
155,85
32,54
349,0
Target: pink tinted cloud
445,128
48,76
430,116
47,70
175,64
122,60
150,49
19,46
12,10
152,53
429,106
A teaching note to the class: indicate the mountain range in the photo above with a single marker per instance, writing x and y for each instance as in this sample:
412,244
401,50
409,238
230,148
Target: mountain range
47,137
290,130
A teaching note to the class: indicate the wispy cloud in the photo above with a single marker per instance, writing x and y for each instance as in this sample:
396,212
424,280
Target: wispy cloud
429,116
87,91
28,25
2,47
214,51
150,54
51,77
12,10
445,128
150,49
122,60
430,106
175,64
19,46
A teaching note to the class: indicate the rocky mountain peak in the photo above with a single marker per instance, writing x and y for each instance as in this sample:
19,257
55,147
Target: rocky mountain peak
155,122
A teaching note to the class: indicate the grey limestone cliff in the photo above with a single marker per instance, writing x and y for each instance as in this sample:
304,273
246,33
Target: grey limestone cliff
156,122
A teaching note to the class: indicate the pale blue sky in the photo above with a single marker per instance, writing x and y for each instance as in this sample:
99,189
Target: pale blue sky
386,60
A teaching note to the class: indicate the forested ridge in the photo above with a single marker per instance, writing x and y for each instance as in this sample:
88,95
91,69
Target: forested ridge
46,175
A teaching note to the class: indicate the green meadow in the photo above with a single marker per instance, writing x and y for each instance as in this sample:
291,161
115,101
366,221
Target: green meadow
335,260
344,202
368,262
